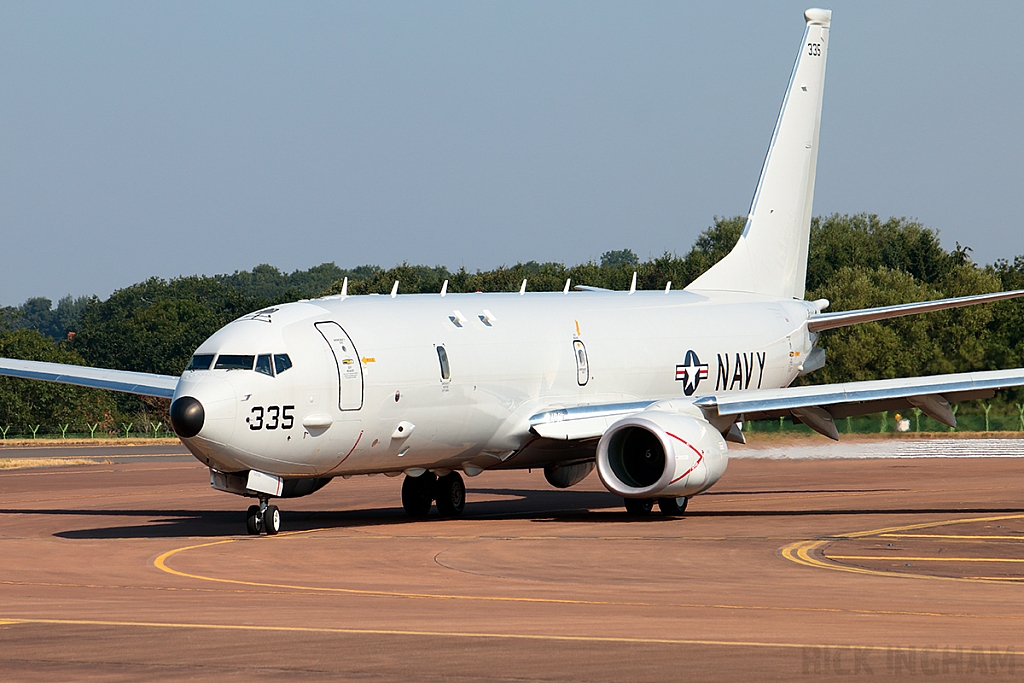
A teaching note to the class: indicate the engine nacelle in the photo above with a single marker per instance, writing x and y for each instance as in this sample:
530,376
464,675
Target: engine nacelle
659,454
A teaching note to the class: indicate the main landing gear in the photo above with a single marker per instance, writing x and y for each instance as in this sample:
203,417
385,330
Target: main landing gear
419,493
263,517
670,507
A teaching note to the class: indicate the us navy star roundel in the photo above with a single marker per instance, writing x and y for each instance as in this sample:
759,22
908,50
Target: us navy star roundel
691,372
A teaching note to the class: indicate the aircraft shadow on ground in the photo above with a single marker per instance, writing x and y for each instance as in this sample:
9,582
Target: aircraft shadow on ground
540,506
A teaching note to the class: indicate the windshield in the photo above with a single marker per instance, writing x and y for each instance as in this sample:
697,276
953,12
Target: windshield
266,363
225,362
282,362
200,361
263,365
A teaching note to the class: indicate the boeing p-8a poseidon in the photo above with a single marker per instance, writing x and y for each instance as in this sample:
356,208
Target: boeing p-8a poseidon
647,385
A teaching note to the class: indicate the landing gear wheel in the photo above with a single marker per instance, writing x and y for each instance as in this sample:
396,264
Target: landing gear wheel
639,507
672,507
271,520
451,495
418,494
253,521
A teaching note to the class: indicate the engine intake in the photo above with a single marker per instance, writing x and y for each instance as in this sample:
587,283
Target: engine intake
659,454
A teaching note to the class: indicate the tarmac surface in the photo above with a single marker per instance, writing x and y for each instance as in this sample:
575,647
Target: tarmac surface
106,452
811,569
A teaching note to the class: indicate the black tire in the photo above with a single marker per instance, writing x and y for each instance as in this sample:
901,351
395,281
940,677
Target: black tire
639,507
418,494
451,495
252,520
672,507
271,520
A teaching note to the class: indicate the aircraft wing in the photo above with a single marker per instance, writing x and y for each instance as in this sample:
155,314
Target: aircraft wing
830,321
142,383
816,406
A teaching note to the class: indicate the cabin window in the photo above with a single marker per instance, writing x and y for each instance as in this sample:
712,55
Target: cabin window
226,362
442,357
282,362
263,365
200,361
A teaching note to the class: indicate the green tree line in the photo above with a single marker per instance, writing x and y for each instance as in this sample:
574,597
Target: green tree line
855,261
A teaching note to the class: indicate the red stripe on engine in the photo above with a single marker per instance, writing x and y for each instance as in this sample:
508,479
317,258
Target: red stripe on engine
700,458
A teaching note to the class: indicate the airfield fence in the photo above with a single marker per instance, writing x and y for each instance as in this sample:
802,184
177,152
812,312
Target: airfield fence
916,422
876,423
125,430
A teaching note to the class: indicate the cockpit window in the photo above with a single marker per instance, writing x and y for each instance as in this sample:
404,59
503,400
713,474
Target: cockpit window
226,362
282,362
200,361
263,365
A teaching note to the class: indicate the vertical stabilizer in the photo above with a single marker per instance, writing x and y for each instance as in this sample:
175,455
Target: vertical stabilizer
771,255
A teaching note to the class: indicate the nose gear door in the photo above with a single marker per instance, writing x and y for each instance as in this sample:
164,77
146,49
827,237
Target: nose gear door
349,366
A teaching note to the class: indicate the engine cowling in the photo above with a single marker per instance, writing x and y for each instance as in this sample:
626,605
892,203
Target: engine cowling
659,454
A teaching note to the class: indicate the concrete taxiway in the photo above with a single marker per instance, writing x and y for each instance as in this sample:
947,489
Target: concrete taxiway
114,453
810,568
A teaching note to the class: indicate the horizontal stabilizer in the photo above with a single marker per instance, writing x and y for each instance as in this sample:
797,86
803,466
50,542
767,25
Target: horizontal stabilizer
141,383
829,321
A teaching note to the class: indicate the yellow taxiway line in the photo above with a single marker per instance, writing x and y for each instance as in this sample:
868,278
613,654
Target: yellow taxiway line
14,621
161,563
923,559
955,537
803,552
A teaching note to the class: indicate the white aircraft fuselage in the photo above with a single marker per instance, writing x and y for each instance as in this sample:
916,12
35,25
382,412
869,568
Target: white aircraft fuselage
337,410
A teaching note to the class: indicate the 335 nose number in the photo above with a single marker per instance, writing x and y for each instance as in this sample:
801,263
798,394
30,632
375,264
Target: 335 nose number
271,417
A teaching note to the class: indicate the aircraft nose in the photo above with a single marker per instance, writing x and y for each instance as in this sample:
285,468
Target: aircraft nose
187,416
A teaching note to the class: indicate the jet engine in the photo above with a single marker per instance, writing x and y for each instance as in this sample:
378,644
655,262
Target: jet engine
659,454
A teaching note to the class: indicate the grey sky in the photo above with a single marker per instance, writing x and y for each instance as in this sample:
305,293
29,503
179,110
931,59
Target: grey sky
141,139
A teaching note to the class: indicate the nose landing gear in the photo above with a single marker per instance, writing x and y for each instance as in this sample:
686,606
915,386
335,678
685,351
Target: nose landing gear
263,517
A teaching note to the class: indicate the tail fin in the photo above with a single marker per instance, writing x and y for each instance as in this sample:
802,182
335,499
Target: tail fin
771,255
